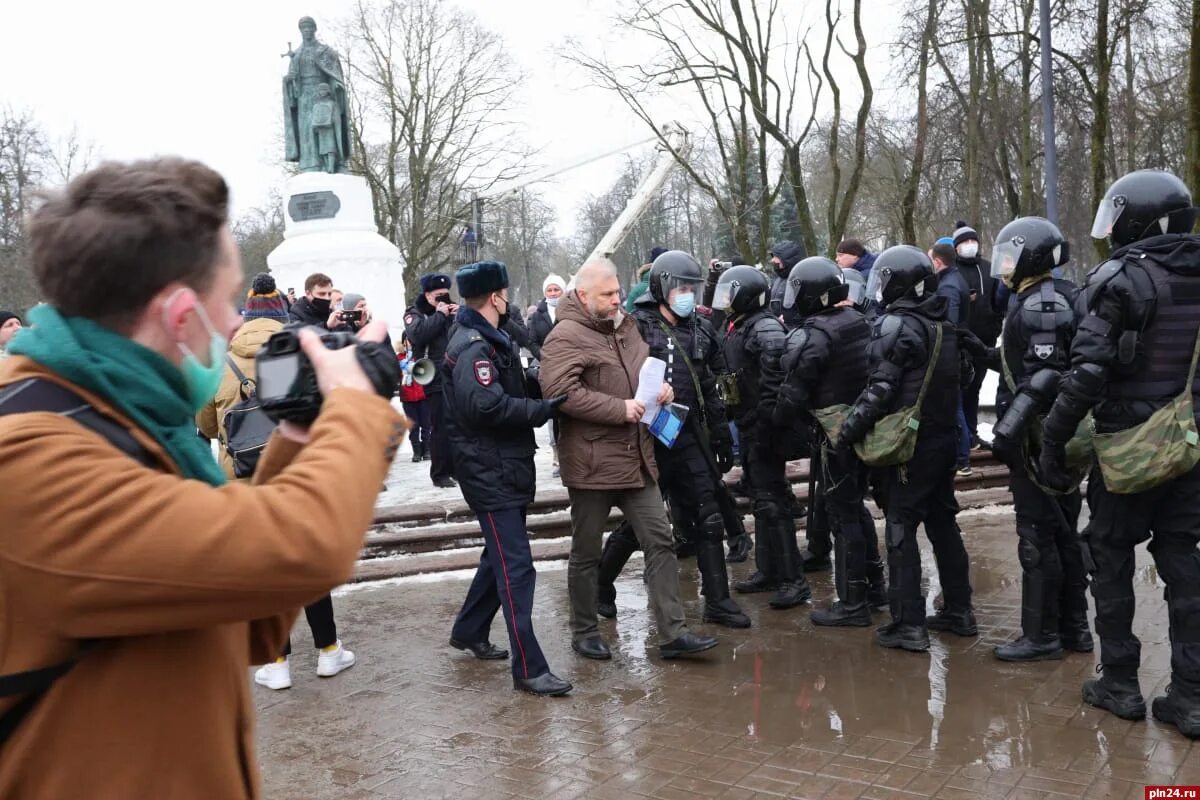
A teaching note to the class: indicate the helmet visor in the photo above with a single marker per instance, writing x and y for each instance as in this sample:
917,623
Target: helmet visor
856,292
875,287
1006,256
672,282
1109,211
794,289
723,296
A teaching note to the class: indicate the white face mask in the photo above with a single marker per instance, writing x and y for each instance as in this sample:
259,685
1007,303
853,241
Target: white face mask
968,249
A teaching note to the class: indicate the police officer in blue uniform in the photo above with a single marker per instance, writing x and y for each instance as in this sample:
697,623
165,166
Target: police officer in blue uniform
427,324
490,417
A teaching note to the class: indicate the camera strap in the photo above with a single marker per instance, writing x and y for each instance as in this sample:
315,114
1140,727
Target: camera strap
247,387
40,395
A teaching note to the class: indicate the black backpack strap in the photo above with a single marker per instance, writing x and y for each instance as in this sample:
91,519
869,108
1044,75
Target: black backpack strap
242,379
37,394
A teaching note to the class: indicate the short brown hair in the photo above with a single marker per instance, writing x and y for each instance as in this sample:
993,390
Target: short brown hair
317,279
852,247
944,253
104,246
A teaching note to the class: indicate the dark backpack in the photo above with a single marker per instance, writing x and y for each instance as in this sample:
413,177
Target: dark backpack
28,396
247,427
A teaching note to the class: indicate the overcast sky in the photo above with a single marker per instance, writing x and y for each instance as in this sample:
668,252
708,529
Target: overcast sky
202,80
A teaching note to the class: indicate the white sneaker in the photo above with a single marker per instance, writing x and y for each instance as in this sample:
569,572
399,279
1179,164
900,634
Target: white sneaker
333,662
276,675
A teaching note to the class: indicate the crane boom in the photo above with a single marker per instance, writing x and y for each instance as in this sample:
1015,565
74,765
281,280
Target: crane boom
646,191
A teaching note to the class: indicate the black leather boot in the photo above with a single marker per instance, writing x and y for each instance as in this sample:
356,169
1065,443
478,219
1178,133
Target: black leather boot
766,574
620,545
852,611
418,449
719,607
1180,706
793,587
1116,690
739,549
877,593
1039,625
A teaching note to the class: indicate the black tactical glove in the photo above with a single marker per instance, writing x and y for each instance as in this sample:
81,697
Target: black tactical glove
1053,466
722,445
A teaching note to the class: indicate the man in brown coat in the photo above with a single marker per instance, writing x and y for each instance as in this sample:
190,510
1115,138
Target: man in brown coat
593,357
146,578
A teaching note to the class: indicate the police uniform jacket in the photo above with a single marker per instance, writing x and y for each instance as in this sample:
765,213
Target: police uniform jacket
489,416
429,332
825,362
1131,353
694,341
1038,330
753,349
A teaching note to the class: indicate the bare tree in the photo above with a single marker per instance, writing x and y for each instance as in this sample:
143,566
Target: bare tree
430,88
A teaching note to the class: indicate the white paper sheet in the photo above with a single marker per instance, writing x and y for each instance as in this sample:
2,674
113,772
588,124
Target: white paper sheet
650,380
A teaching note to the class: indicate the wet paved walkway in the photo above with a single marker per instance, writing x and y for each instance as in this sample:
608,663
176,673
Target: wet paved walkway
780,710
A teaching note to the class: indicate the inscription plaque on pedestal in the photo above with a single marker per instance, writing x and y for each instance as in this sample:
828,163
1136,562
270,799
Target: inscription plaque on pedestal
313,205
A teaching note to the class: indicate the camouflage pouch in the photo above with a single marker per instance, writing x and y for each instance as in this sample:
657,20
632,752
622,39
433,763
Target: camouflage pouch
893,439
727,389
831,418
1163,447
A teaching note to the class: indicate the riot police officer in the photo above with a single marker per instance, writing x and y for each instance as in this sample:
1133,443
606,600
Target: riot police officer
1132,357
490,419
825,366
690,470
914,361
1034,353
753,349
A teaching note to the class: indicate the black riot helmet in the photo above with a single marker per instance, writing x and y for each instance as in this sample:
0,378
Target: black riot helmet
741,290
671,270
901,271
814,285
1142,204
1026,247
856,287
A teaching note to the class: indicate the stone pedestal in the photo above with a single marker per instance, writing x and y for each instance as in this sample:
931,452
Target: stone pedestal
330,228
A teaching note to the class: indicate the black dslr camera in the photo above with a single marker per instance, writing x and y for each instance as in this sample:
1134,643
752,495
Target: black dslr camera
287,386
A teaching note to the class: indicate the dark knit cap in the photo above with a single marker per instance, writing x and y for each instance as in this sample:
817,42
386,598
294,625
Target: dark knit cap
964,232
482,277
263,301
655,252
5,316
435,280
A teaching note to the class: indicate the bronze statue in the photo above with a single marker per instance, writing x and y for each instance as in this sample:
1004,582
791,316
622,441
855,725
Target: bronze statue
316,125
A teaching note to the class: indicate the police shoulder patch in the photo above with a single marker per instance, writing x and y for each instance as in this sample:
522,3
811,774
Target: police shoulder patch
1043,351
485,372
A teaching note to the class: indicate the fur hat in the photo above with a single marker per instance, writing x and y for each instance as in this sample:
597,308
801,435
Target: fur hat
480,278
435,280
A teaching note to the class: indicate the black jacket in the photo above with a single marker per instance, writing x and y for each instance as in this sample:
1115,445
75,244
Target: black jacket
519,332
429,332
958,297
1038,330
540,324
1131,352
698,342
985,314
302,311
753,349
825,363
489,416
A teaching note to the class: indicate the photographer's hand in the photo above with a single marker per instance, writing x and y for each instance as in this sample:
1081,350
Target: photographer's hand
339,369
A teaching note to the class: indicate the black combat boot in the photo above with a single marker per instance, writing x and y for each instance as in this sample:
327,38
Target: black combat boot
739,548
766,574
620,545
1116,690
418,449
853,611
719,607
793,587
959,621
1039,623
1180,706
877,592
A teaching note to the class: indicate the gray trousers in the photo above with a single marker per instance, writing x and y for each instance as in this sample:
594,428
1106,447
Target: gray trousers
645,511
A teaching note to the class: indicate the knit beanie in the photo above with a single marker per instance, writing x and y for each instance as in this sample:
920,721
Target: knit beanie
263,301
5,316
553,280
964,232
350,300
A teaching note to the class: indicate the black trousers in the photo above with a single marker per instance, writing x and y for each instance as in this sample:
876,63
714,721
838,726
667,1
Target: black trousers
843,487
776,553
922,491
439,445
970,398
504,580
1169,516
320,622
688,482
418,415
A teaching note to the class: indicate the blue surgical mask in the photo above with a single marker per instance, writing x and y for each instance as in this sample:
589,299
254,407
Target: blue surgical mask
684,304
552,301
203,381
